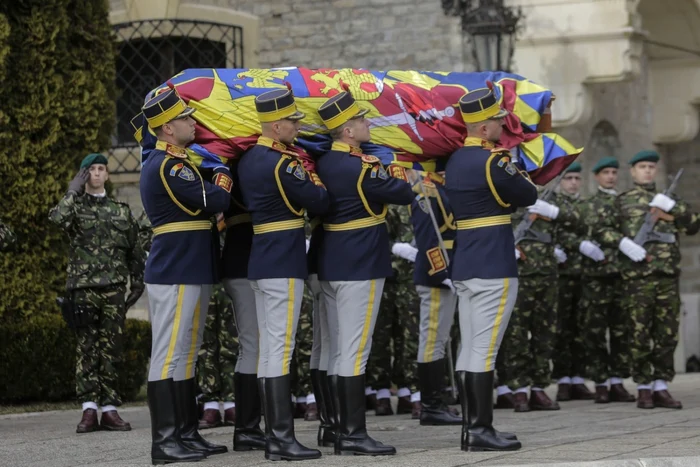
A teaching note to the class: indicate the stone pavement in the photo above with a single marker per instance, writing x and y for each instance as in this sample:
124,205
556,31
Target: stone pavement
619,435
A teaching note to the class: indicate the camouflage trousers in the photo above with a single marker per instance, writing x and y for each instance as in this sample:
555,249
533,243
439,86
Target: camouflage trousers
601,299
654,306
569,355
524,361
395,334
99,354
301,376
217,357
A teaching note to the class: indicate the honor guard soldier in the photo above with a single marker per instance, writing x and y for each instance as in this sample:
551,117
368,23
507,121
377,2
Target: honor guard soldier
235,256
354,260
601,295
650,272
276,190
484,187
180,271
438,301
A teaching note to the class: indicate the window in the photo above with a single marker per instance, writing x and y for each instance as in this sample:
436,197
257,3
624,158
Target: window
150,52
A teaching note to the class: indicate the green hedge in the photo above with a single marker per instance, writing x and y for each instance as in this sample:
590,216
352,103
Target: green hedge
57,94
39,359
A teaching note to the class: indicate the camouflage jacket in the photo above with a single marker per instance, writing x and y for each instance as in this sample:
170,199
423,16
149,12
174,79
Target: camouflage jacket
399,226
104,240
145,231
570,235
595,213
7,237
627,217
538,258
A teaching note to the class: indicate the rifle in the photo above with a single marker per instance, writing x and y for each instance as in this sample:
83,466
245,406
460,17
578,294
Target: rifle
524,229
646,233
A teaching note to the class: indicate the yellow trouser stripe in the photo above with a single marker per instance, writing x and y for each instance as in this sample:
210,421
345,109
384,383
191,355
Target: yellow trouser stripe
433,322
189,369
468,224
290,327
173,333
449,244
278,226
497,324
354,224
239,219
181,227
365,329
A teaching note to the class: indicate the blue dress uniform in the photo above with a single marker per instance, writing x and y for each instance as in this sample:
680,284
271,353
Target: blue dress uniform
354,260
234,273
438,302
276,191
484,187
180,269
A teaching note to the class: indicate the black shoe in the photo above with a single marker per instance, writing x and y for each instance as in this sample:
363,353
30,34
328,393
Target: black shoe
478,433
352,436
281,443
326,429
247,435
431,376
166,447
186,405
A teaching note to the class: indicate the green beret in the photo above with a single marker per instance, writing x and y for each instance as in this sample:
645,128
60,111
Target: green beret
93,159
605,163
574,167
648,155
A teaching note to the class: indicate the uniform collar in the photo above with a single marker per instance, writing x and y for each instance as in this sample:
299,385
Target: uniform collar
646,186
474,141
608,191
574,196
345,147
173,150
271,143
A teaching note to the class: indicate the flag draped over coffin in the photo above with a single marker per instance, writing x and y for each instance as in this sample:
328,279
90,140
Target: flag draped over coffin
414,115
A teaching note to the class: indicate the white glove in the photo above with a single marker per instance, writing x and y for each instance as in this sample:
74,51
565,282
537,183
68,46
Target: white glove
633,251
517,254
560,255
308,244
448,283
591,250
662,202
544,209
405,251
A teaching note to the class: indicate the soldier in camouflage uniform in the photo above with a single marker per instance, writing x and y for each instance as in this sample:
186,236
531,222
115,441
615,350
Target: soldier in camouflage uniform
650,275
7,237
105,253
569,355
523,360
301,377
217,361
145,231
397,328
601,295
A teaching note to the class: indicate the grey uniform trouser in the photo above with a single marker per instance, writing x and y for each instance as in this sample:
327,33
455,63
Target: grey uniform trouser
320,348
277,304
178,313
485,306
437,312
243,299
352,308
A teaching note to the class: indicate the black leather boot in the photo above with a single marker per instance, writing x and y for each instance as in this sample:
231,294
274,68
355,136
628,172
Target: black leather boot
281,443
263,400
247,435
326,432
479,434
166,447
431,377
186,405
352,436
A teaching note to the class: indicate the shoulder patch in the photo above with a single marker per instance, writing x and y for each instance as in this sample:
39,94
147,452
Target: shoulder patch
399,172
510,169
291,166
299,172
186,174
224,181
503,161
369,159
175,168
423,203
